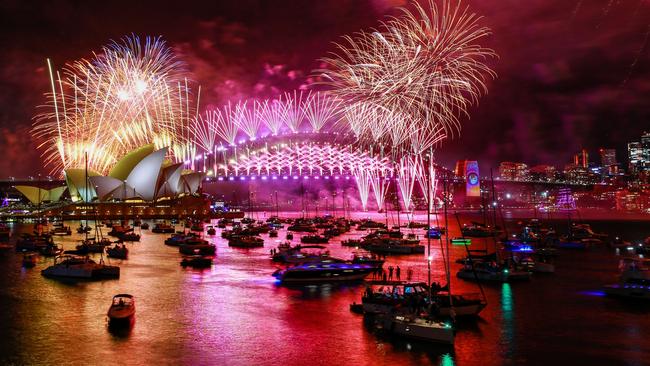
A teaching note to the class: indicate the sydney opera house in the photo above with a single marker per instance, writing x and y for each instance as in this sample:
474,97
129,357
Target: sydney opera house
142,183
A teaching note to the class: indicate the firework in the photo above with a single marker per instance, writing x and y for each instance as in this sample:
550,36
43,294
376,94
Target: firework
247,117
273,113
130,94
309,158
362,177
408,172
225,125
319,109
294,110
420,71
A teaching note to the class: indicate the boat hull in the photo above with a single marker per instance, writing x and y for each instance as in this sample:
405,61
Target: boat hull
423,330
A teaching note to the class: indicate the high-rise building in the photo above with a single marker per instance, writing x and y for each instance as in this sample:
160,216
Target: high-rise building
581,159
638,153
608,163
607,157
513,171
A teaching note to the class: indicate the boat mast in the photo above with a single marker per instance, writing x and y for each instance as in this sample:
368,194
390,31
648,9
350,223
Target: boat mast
86,193
447,268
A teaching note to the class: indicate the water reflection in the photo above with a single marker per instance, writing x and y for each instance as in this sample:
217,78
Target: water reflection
507,340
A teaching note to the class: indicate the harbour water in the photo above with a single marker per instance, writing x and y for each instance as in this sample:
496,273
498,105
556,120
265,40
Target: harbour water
235,313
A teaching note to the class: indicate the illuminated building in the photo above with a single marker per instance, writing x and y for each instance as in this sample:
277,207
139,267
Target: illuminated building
543,172
639,154
581,159
513,171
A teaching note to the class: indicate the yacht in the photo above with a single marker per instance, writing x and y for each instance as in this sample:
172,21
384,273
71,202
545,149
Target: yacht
245,241
490,271
393,246
634,280
323,272
421,328
68,266
385,297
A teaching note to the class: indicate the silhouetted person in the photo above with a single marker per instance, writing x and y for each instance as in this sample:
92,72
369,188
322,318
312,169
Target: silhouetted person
398,272
384,275
390,273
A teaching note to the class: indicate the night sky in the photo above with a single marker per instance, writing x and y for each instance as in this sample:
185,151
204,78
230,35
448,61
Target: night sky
571,73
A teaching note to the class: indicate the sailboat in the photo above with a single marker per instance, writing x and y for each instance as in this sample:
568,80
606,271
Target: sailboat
486,269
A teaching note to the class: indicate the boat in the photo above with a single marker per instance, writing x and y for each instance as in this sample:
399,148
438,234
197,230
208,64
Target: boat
314,239
634,280
144,226
162,228
490,271
289,236
61,230
211,231
129,236
84,229
273,233
90,246
122,309
369,224
196,247
245,241
29,260
285,253
422,328
197,261
119,251
197,226
384,297
478,230
323,272
372,260
393,246
68,266
50,250
119,230
29,242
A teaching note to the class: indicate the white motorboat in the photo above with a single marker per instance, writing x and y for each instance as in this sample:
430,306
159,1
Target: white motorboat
417,327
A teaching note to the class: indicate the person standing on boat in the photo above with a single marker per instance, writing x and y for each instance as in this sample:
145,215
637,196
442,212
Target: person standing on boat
398,272
390,273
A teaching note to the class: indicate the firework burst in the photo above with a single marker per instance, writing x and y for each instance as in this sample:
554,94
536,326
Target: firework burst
417,72
130,94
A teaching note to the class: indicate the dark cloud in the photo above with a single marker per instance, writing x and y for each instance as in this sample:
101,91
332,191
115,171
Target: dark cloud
572,73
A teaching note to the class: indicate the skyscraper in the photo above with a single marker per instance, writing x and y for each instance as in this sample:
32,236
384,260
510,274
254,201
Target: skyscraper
607,157
639,154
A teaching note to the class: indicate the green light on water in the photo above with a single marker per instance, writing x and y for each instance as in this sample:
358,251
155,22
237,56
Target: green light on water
506,298
446,360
